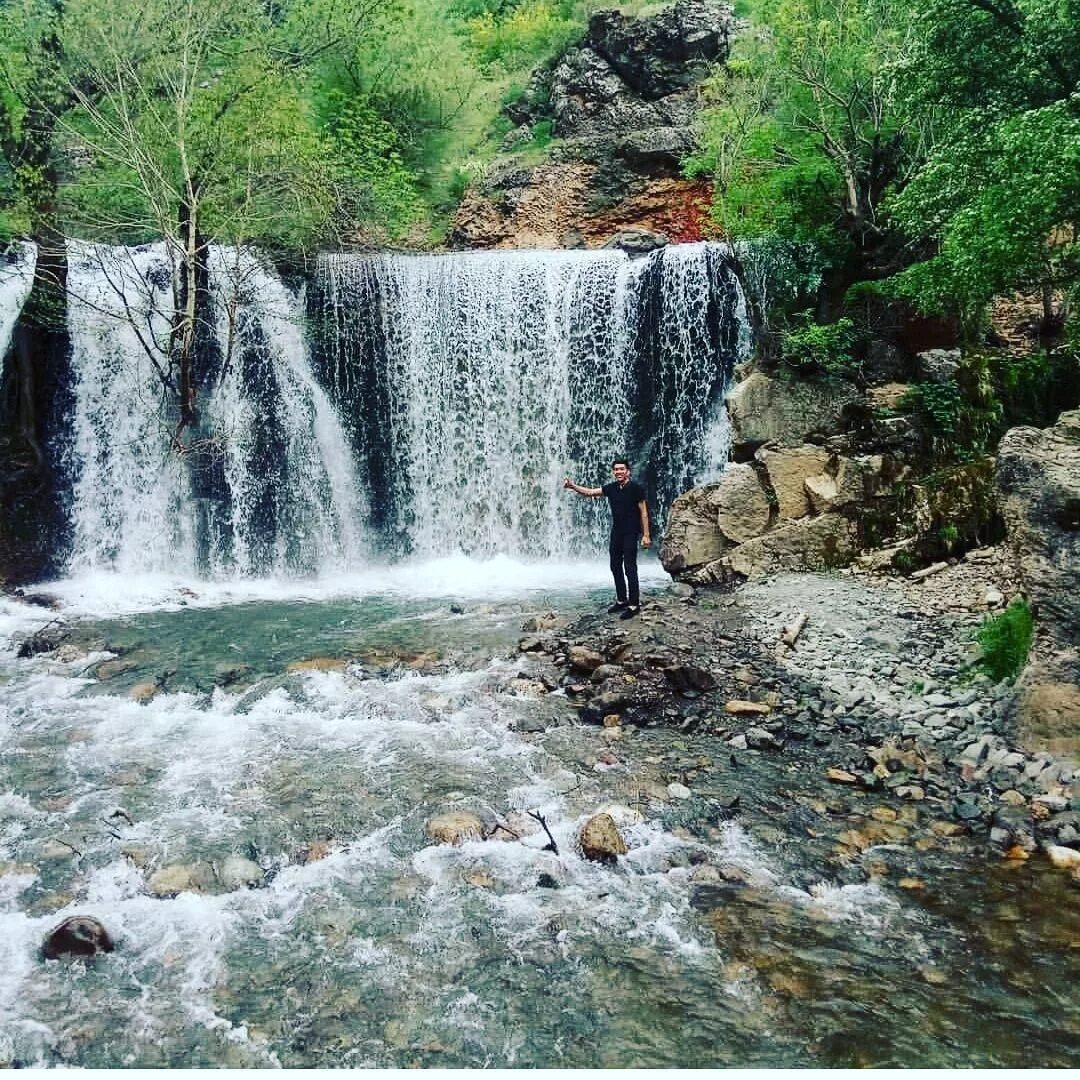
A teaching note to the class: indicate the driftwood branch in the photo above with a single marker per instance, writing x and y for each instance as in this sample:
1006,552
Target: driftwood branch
551,845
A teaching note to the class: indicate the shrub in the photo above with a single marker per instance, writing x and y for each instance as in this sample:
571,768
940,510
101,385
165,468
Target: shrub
1005,640
541,134
953,427
811,346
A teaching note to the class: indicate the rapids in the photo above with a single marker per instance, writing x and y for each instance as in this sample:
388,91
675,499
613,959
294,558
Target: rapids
366,944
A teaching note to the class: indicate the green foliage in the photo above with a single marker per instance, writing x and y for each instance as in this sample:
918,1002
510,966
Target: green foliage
1034,388
948,535
1005,640
512,35
809,346
997,197
802,133
541,134
371,160
954,428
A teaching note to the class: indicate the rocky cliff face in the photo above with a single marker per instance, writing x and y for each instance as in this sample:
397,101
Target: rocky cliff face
622,106
819,475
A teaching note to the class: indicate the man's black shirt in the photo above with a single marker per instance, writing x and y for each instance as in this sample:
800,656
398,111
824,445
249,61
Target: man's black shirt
625,516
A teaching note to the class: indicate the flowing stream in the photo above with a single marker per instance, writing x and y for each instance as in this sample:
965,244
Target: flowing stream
362,943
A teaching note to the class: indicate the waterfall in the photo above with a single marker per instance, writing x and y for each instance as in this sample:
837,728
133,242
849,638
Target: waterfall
16,278
392,405
265,485
471,384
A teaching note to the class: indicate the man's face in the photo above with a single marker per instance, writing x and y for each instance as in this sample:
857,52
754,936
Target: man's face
622,473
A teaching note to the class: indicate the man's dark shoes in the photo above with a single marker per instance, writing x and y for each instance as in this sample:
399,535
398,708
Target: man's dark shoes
630,612
619,605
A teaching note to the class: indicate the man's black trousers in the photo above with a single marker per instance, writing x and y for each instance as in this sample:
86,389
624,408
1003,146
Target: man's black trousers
622,547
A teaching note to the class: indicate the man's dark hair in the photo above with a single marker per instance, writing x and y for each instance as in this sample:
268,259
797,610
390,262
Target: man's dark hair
620,461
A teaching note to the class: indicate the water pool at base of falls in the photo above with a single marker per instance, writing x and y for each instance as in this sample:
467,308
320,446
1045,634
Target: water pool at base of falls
316,733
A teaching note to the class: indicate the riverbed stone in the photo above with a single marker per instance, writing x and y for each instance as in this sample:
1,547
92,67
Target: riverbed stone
80,936
584,659
455,827
237,872
601,840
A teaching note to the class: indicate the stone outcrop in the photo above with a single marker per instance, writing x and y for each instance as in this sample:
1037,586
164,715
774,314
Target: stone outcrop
794,505
80,936
1038,479
783,412
820,543
621,105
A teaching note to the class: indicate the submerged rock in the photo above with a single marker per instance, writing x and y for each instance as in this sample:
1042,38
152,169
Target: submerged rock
236,872
601,840
80,935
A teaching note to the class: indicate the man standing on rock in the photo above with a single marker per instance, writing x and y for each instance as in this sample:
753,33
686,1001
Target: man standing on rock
629,520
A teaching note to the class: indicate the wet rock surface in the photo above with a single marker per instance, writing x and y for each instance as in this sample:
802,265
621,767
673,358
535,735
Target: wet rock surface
79,936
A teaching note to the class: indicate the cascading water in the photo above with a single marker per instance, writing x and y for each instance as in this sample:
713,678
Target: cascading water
16,277
472,384
436,409
266,485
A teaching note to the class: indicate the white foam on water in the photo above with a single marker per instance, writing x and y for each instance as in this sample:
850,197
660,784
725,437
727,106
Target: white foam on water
103,594
16,280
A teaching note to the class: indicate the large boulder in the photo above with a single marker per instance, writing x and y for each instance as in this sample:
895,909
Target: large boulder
820,543
785,412
848,481
788,470
743,507
1038,481
693,537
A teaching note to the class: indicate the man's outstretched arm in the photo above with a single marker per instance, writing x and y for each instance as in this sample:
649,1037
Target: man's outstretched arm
592,493
646,540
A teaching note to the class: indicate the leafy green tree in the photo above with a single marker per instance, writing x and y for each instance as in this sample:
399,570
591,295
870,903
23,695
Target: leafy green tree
804,136
998,197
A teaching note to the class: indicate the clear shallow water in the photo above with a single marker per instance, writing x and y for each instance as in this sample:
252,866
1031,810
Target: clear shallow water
389,951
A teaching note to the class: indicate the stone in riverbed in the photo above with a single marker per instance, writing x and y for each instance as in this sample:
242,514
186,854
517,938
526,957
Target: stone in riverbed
455,827
236,872
1063,858
584,659
80,936
738,707
760,739
172,880
601,840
